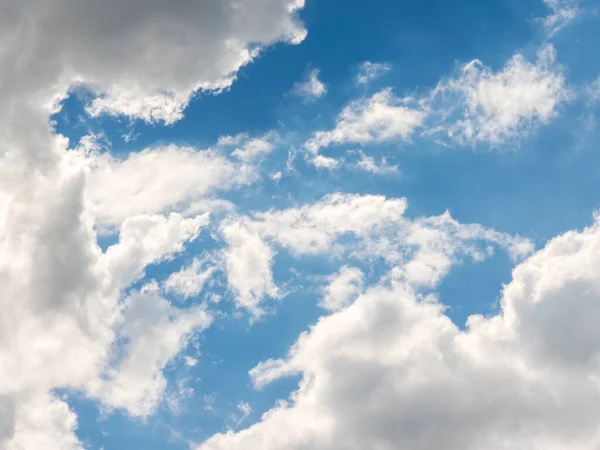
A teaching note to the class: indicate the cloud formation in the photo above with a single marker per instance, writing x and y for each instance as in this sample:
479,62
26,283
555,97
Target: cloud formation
476,106
190,280
62,296
354,227
482,106
135,382
137,56
74,318
380,118
391,370
119,188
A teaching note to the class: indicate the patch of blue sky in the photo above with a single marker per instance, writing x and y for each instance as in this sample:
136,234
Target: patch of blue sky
116,430
231,348
474,287
577,42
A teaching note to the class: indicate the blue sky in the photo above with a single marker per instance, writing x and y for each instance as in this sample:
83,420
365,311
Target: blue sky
345,240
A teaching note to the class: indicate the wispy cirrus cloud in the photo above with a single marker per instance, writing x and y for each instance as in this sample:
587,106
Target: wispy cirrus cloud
370,71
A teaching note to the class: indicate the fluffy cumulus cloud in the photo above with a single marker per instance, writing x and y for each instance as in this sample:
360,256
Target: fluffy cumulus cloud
43,421
62,311
390,370
138,55
63,297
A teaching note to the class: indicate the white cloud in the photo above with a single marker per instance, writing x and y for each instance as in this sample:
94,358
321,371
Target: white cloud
57,312
190,280
374,219
248,263
145,240
150,108
324,162
119,188
245,410
563,12
60,295
190,362
154,332
343,288
157,180
392,371
44,421
144,59
420,251
368,164
313,228
479,105
495,107
369,71
61,312
289,166
62,298
380,118
253,149
311,87
310,229
229,140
